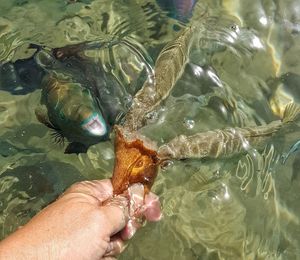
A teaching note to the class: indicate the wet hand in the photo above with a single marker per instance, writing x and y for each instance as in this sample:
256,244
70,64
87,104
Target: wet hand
86,222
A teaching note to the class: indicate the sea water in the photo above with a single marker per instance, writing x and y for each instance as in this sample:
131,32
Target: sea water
243,68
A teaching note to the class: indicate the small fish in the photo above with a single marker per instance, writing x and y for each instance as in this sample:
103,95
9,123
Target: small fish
227,142
168,68
294,148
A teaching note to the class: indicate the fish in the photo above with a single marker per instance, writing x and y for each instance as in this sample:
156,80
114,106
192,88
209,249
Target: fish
77,50
135,162
178,9
21,77
79,101
74,77
285,90
168,68
72,113
225,142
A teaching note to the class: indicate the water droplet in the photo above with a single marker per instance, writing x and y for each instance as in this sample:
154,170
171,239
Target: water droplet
189,123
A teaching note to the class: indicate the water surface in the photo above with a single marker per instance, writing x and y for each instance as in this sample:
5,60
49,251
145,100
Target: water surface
244,65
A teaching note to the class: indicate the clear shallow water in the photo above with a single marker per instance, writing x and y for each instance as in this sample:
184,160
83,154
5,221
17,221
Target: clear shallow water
243,61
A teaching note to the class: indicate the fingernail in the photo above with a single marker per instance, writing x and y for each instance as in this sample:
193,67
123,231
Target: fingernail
129,230
152,208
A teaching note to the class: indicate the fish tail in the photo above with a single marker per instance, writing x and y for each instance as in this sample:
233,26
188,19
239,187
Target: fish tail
291,113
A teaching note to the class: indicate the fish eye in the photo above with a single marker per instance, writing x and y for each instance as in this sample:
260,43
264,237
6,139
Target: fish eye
139,163
59,54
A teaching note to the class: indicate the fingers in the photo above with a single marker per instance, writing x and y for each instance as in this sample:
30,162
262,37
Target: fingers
152,207
99,189
136,199
125,213
140,208
149,207
115,247
131,227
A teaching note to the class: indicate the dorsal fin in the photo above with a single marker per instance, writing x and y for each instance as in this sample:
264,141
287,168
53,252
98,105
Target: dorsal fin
291,112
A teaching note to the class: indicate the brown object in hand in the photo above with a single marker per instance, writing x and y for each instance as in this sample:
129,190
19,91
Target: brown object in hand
134,163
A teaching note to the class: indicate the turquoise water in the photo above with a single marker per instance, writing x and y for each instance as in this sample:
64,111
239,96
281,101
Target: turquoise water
242,70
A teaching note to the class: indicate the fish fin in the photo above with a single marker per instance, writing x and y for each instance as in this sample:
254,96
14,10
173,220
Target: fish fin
75,50
58,137
36,47
41,114
291,113
76,147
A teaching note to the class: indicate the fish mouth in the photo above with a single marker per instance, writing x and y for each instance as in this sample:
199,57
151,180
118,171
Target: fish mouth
95,125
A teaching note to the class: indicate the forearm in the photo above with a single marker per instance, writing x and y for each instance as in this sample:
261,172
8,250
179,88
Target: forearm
79,225
65,230
23,245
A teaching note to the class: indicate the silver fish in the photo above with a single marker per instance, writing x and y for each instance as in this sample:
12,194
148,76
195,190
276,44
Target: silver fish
226,142
168,68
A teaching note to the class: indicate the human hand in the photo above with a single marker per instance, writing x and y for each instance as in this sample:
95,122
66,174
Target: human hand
86,222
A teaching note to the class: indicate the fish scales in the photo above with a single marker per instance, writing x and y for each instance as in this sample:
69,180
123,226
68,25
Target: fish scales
218,143
170,64
168,68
